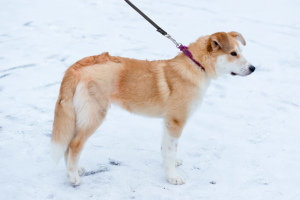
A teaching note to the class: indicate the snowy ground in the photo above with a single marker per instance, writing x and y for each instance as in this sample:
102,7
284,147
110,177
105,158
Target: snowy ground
245,137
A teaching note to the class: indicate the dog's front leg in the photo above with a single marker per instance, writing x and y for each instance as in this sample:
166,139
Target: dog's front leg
169,151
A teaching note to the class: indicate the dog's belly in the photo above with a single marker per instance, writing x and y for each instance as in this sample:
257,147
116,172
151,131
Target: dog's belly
146,107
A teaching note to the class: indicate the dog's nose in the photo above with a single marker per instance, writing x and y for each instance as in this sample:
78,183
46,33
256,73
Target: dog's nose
252,68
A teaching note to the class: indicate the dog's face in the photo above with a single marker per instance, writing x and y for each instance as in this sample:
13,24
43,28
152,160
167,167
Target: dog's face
225,48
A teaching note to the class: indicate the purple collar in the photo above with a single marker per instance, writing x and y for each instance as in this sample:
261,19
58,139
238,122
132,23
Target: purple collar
185,50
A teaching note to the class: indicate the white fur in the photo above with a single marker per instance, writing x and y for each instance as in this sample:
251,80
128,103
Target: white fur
169,151
200,94
74,177
240,66
74,172
57,151
84,108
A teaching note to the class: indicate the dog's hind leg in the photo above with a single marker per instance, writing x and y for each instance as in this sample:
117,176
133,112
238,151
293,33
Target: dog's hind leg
75,149
81,170
169,149
90,107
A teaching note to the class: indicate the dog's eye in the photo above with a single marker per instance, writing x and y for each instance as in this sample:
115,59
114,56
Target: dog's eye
233,53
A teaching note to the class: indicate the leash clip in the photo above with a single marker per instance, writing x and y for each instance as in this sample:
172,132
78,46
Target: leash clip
173,40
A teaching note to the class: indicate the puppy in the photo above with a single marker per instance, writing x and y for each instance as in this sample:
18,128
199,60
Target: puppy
164,88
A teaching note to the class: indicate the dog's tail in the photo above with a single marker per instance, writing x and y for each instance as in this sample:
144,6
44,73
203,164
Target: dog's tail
64,124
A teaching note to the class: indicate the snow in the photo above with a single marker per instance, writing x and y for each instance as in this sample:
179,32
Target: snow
244,137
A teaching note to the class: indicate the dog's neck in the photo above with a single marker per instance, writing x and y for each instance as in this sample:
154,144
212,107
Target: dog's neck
200,53
188,70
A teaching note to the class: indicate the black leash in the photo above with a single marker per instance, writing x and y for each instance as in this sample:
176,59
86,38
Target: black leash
147,18
182,48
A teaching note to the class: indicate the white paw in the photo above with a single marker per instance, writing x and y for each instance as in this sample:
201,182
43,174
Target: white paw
81,171
176,180
178,162
74,178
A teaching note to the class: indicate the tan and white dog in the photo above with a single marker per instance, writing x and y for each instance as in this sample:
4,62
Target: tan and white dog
164,88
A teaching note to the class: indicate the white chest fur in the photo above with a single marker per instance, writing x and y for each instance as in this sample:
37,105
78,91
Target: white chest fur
200,92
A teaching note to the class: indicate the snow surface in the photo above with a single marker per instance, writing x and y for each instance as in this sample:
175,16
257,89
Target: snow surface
245,136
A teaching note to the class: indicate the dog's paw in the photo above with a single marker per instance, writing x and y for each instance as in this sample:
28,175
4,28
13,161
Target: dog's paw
178,162
81,171
176,180
74,178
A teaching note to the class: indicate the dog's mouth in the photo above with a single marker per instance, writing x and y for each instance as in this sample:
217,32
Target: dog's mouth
235,74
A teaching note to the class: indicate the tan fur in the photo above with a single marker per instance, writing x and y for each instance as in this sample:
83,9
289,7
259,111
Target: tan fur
238,36
164,88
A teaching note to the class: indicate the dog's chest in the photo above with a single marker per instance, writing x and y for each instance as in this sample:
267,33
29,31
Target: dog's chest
200,92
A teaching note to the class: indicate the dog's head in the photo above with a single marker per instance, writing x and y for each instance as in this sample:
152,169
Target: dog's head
223,54
226,56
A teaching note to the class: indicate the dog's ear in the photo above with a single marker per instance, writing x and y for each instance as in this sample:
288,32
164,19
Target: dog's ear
238,36
220,40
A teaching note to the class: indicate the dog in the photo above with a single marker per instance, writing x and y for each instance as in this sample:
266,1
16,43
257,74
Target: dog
165,88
